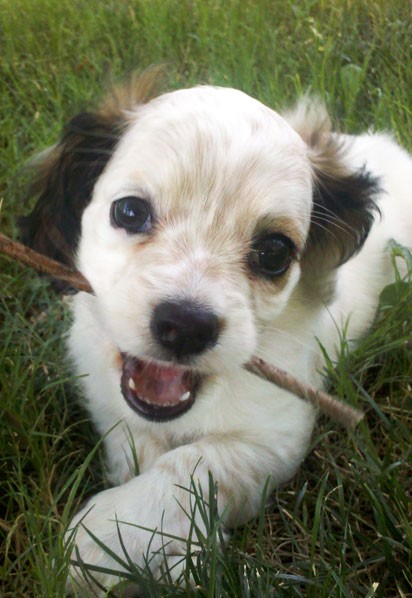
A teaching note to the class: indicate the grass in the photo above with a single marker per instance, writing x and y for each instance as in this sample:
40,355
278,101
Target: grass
342,527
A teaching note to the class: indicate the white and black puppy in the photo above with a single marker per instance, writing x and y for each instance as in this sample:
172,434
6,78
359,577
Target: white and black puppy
211,229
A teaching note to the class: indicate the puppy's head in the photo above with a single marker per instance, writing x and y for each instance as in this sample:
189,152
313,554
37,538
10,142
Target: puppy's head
193,215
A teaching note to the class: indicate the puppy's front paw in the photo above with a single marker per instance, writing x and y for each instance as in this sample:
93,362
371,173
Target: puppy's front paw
126,529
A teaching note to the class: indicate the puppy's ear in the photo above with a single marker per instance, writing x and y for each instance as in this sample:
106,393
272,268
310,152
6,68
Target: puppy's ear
344,205
67,172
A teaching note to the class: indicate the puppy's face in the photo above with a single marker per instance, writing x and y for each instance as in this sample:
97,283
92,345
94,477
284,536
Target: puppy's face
196,217
193,237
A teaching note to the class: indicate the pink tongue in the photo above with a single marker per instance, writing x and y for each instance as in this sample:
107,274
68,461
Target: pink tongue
157,383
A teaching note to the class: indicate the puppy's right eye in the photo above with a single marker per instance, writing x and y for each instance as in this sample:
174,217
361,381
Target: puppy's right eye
131,213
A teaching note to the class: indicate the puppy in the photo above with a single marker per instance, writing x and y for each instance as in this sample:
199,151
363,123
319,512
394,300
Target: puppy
211,229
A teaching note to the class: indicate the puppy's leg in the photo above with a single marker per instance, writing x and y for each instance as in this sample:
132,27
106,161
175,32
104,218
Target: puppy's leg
160,499
129,453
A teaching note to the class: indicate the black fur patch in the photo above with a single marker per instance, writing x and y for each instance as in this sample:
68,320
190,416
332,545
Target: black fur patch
344,209
64,185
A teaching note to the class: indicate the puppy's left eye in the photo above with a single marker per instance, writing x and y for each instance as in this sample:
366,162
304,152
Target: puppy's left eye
131,213
272,255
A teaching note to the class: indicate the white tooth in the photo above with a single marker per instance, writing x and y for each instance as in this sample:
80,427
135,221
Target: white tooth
132,385
185,396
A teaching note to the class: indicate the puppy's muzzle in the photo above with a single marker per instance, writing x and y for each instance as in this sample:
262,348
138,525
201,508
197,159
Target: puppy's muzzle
184,328
160,390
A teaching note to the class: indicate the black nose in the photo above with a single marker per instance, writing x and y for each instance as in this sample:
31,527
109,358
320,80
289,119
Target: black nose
185,328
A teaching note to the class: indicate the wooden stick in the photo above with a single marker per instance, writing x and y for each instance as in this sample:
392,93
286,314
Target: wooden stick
43,264
339,412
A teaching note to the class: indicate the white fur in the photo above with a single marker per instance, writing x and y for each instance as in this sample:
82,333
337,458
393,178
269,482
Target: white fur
213,162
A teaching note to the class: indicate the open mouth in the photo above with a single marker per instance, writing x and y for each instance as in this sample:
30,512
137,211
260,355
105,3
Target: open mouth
157,390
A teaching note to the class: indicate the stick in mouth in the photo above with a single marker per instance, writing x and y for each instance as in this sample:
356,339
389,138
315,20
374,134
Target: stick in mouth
337,411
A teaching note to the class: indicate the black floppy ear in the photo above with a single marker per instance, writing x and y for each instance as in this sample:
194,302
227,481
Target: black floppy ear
66,174
344,205
343,210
